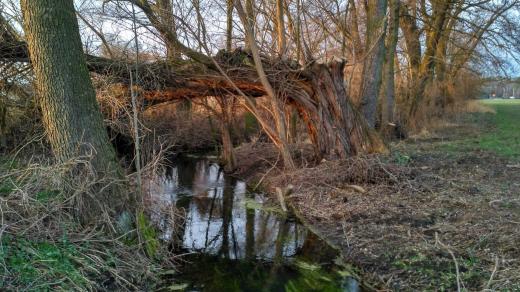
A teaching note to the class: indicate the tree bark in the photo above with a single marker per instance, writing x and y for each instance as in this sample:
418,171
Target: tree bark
3,123
411,33
226,118
373,65
229,24
280,28
425,72
71,116
336,128
388,96
276,104
251,19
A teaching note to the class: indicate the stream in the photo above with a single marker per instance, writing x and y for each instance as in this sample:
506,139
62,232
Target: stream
231,240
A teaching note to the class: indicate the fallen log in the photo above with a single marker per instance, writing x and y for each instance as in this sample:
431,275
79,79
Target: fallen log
335,126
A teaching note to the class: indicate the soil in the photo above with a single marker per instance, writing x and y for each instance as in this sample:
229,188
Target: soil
426,217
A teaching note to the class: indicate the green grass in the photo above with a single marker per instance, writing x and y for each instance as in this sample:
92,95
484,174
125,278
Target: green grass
42,266
439,269
498,133
504,138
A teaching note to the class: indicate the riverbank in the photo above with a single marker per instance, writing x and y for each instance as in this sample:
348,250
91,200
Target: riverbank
44,246
441,212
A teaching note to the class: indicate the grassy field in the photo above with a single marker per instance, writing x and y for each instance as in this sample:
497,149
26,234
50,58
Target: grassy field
504,137
496,129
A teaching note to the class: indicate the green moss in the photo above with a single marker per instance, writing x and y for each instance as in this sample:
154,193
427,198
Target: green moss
6,185
401,158
250,124
148,234
7,162
313,278
439,268
5,188
251,204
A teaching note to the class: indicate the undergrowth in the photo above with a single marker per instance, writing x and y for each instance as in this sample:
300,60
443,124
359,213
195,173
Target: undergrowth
45,247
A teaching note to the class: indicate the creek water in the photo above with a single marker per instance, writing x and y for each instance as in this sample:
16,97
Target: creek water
231,241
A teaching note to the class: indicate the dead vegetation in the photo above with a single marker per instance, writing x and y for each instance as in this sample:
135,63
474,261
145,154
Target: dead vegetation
45,246
423,218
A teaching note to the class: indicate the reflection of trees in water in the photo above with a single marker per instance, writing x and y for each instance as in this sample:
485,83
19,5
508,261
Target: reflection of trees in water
205,177
281,238
227,215
250,232
216,220
185,170
217,224
236,232
159,192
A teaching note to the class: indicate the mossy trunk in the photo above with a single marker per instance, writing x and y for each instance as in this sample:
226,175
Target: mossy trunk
71,115
388,88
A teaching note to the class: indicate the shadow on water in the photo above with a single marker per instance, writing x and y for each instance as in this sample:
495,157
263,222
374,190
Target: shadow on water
232,246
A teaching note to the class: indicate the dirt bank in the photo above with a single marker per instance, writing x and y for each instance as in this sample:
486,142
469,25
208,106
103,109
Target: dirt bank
436,214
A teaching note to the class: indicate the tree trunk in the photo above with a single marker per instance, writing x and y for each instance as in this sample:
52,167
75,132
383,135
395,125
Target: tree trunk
251,20
71,116
336,128
280,28
228,153
411,33
373,65
3,123
388,92
441,100
229,25
164,10
441,11
276,104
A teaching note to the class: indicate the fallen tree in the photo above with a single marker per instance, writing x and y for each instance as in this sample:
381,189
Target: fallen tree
317,91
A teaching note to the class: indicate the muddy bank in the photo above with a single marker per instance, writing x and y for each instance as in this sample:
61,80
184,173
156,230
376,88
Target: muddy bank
421,218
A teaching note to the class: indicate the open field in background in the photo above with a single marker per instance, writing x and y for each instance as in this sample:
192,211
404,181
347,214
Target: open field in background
495,127
504,137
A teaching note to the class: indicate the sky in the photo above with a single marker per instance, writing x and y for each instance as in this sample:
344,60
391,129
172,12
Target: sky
119,30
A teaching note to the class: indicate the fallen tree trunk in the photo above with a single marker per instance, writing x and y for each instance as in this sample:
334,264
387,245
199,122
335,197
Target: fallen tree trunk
158,80
336,128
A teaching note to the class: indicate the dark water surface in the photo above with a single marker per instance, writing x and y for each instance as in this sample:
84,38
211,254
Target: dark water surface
232,242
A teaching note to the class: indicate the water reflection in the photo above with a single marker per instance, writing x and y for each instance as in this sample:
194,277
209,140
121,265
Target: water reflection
236,248
216,220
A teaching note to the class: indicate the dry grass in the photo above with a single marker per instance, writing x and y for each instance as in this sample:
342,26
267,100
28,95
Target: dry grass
415,223
475,106
45,246
424,219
